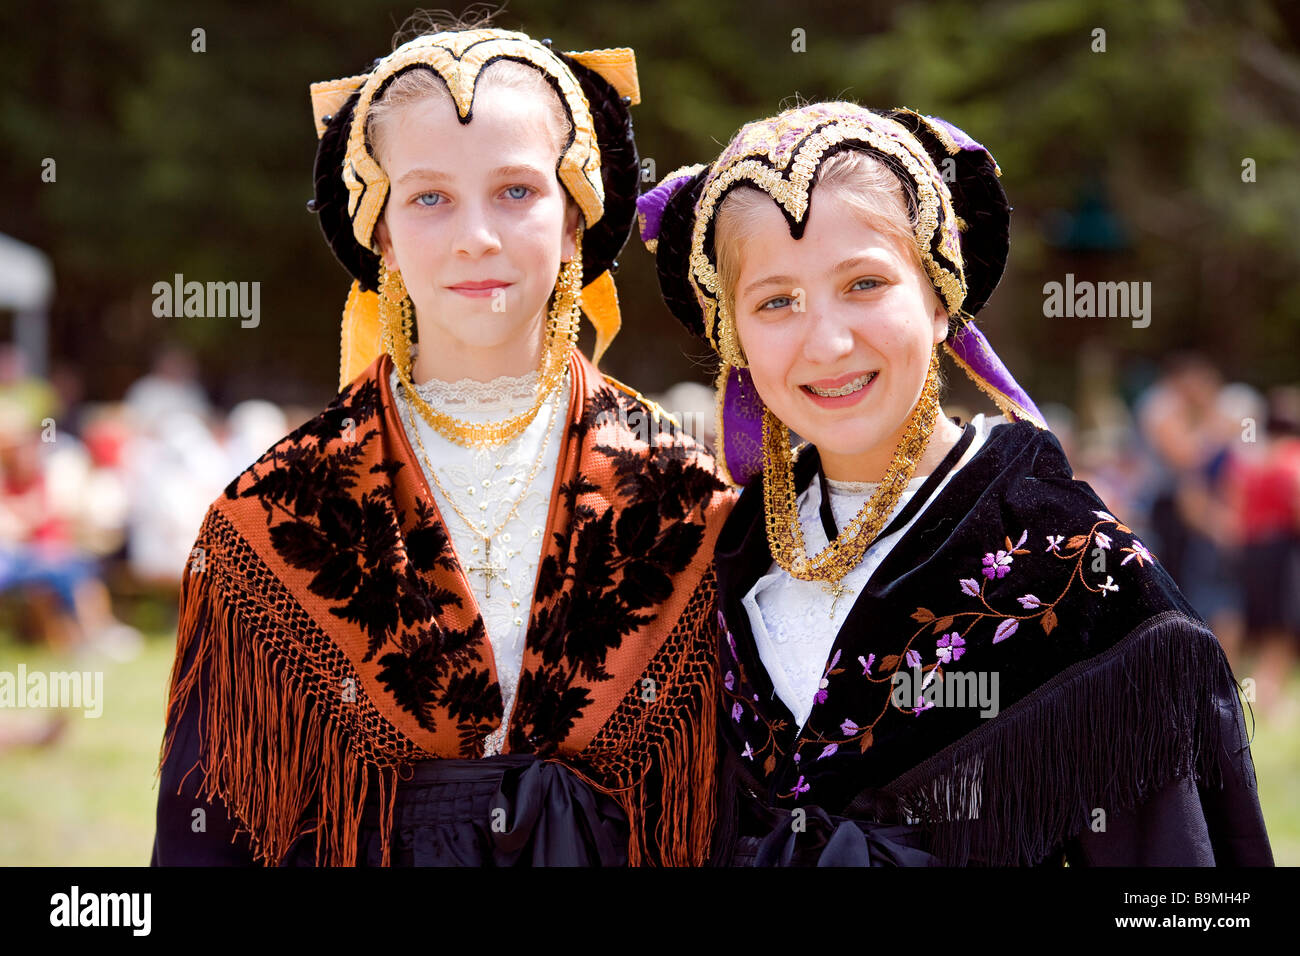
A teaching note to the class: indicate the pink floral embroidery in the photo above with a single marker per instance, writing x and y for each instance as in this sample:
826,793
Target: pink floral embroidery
1138,551
951,647
997,566
1005,630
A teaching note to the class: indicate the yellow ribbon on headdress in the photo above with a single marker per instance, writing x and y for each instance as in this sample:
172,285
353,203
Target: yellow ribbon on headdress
361,338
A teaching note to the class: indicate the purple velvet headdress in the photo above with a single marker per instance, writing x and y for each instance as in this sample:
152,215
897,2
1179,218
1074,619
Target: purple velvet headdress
963,222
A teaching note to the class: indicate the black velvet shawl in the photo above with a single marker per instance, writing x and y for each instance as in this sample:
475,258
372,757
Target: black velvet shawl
1113,697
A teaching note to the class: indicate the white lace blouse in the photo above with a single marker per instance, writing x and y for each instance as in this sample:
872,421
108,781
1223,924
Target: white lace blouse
484,484
791,619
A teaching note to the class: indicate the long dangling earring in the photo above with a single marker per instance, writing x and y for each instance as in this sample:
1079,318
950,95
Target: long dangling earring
566,312
396,316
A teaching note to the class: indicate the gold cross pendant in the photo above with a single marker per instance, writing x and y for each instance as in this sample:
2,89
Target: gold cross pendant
487,568
835,589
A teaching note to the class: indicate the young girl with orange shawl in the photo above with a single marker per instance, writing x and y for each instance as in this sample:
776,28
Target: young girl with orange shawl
364,674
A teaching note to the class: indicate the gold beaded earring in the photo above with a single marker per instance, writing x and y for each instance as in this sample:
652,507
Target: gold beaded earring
396,317
566,311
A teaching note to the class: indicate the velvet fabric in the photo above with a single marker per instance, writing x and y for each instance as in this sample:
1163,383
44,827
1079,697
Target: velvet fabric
1111,692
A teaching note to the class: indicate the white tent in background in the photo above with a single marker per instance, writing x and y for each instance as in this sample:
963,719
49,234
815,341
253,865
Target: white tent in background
26,288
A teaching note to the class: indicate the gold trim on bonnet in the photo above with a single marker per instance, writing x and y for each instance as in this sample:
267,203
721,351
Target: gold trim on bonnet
459,58
793,145
328,97
720,439
946,139
617,66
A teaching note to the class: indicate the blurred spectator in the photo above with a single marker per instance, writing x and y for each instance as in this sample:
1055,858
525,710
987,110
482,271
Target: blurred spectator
34,396
1265,494
176,469
1190,440
171,386
251,428
38,556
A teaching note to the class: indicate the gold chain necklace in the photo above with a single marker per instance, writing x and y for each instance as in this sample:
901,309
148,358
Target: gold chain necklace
396,318
784,531
487,568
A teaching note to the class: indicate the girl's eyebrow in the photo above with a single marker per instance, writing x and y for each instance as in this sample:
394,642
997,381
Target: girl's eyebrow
865,258
428,174
518,170
770,280
853,262
421,172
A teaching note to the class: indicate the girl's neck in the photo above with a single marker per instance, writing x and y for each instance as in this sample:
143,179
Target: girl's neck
873,464
448,362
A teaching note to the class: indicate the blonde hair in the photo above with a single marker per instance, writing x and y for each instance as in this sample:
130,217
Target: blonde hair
857,179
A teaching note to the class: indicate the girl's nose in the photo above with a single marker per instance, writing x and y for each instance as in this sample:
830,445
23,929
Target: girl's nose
475,234
828,337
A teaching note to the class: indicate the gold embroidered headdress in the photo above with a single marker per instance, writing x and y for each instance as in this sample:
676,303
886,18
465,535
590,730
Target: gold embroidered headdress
598,167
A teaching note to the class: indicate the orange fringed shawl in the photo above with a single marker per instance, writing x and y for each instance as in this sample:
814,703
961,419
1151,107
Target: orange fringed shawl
342,641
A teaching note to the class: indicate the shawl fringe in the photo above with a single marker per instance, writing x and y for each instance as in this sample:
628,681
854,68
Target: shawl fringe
253,707
685,754
1138,716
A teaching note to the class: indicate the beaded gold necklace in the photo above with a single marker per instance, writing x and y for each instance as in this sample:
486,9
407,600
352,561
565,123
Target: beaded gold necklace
487,568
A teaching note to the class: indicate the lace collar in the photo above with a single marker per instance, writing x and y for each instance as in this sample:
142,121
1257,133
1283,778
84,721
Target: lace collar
467,396
860,488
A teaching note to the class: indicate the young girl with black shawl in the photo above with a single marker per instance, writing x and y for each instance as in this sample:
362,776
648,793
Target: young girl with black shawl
939,646
464,615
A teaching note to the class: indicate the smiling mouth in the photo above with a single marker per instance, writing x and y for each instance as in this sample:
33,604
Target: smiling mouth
861,382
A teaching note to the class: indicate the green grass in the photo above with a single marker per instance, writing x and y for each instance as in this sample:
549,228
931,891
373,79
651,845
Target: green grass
89,799
1276,752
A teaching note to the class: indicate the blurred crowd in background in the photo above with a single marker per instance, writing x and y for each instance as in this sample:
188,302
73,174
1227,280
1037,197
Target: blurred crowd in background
102,500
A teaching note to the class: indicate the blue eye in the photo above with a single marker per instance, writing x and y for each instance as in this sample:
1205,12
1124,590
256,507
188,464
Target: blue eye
420,199
777,302
874,282
524,190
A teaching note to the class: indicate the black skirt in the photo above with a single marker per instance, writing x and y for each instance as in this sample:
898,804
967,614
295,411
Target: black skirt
509,810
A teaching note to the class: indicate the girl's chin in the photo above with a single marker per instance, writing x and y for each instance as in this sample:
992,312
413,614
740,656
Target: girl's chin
841,451
485,331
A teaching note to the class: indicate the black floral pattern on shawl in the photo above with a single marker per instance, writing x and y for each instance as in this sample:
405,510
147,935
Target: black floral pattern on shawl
618,561
355,548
